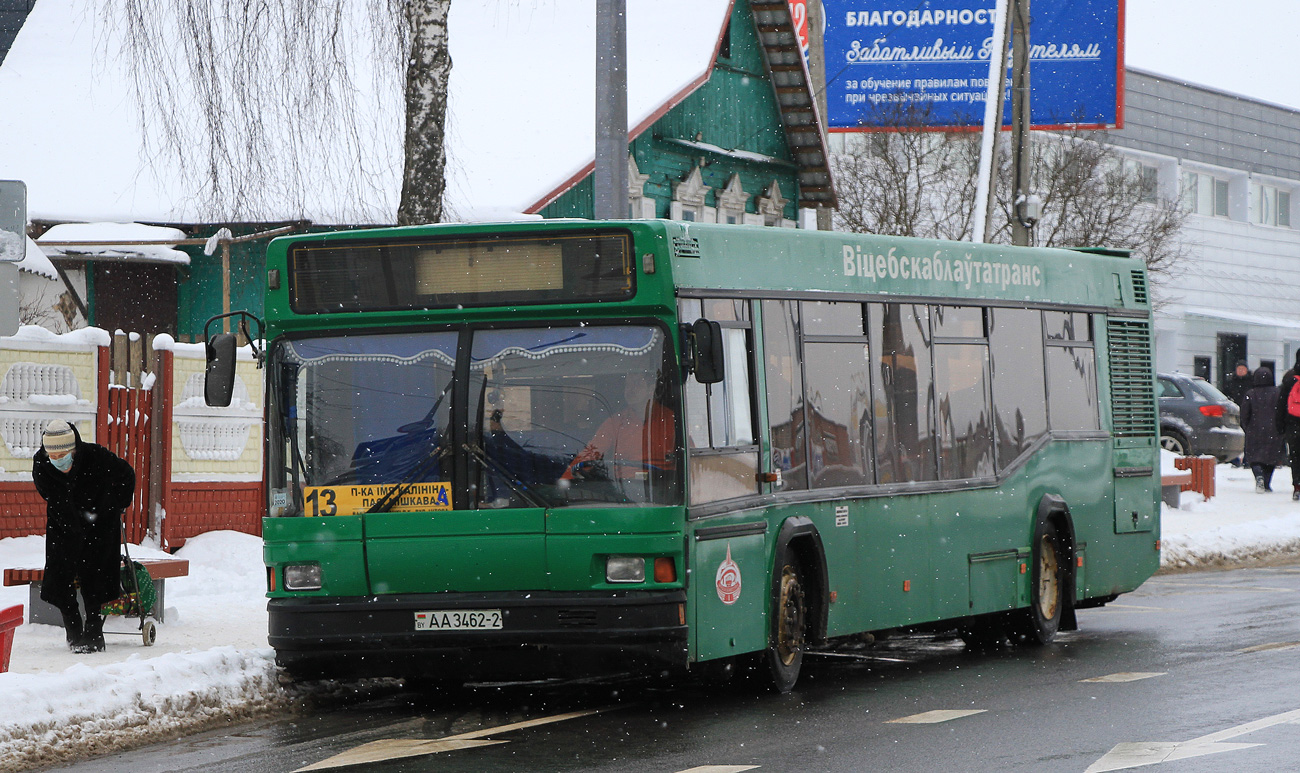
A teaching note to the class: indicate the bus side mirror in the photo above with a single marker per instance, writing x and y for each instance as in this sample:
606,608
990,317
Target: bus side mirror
219,379
707,351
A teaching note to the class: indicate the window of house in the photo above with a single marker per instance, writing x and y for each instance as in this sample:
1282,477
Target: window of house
688,202
1270,205
771,205
1150,179
639,205
731,201
1146,175
1201,367
1205,194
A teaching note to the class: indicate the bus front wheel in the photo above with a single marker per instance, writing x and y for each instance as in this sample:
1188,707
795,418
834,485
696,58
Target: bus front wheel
1039,623
784,654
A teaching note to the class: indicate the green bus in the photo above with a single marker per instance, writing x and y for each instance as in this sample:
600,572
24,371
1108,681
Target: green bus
553,448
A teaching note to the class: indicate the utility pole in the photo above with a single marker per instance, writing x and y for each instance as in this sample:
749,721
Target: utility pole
982,217
610,176
1025,204
817,71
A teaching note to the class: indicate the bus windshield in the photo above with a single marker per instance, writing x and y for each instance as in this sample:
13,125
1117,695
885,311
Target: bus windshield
544,417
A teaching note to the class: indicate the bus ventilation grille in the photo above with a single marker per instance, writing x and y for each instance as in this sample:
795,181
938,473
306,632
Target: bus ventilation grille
1139,287
576,618
1132,388
686,247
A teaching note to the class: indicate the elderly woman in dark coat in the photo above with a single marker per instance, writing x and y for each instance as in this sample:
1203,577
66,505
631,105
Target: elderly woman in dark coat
86,488
1265,446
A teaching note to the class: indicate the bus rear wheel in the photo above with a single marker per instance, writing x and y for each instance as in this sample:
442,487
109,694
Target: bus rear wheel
784,654
1039,623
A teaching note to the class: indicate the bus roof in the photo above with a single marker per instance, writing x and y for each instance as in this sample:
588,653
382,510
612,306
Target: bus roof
760,261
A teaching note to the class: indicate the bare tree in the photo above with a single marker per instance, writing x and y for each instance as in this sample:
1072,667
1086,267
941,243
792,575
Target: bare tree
906,183
275,109
428,69
1092,198
913,181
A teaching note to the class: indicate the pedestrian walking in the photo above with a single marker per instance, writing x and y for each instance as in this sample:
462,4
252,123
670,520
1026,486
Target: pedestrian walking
86,488
1288,421
1265,448
1235,387
1238,382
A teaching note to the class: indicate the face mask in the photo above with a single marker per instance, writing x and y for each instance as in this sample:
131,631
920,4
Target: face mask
64,464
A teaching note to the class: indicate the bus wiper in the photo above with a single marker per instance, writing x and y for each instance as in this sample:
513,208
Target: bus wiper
422,467
533,498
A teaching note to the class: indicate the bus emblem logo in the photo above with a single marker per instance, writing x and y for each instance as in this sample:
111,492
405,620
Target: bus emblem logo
728,579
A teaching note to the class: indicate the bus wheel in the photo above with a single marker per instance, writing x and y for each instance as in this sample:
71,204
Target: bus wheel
789,615
1039,623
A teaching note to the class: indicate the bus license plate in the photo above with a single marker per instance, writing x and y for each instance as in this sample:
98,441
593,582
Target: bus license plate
459,620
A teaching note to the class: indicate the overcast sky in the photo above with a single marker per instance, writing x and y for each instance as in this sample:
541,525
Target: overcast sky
1248,47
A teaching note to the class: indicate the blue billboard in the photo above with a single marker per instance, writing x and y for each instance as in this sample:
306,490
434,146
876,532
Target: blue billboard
929,59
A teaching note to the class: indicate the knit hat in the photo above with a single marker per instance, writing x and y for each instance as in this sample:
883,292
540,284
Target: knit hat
58,437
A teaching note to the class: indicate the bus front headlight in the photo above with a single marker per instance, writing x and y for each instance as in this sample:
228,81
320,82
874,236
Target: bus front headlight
624,569
302,577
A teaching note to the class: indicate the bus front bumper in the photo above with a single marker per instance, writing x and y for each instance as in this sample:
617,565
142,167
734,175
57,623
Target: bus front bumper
542,635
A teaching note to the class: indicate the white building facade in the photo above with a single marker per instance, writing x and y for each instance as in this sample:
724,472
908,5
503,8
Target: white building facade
1234,162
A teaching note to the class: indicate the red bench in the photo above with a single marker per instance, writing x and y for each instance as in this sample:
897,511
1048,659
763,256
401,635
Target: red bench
159,570
1171,487
1202,470
10,618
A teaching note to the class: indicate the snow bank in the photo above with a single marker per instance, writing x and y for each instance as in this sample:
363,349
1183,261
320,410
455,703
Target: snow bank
81,339
211,662
84,710
1237,526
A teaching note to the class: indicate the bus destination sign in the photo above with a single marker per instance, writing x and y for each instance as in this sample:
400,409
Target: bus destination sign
352,500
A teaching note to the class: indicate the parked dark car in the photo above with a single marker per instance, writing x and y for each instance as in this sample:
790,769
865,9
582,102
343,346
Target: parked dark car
1198,419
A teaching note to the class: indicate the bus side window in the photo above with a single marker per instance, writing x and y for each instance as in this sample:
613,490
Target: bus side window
730,407
1019,398
837,378
784,376
961,385
1071,364
902,386
720,417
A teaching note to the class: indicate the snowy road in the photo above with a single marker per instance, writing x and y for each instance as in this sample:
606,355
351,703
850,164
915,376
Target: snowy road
1186,668
211,663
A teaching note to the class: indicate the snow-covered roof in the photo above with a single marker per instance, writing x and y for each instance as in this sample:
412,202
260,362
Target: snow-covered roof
521,110
35,261
106,241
